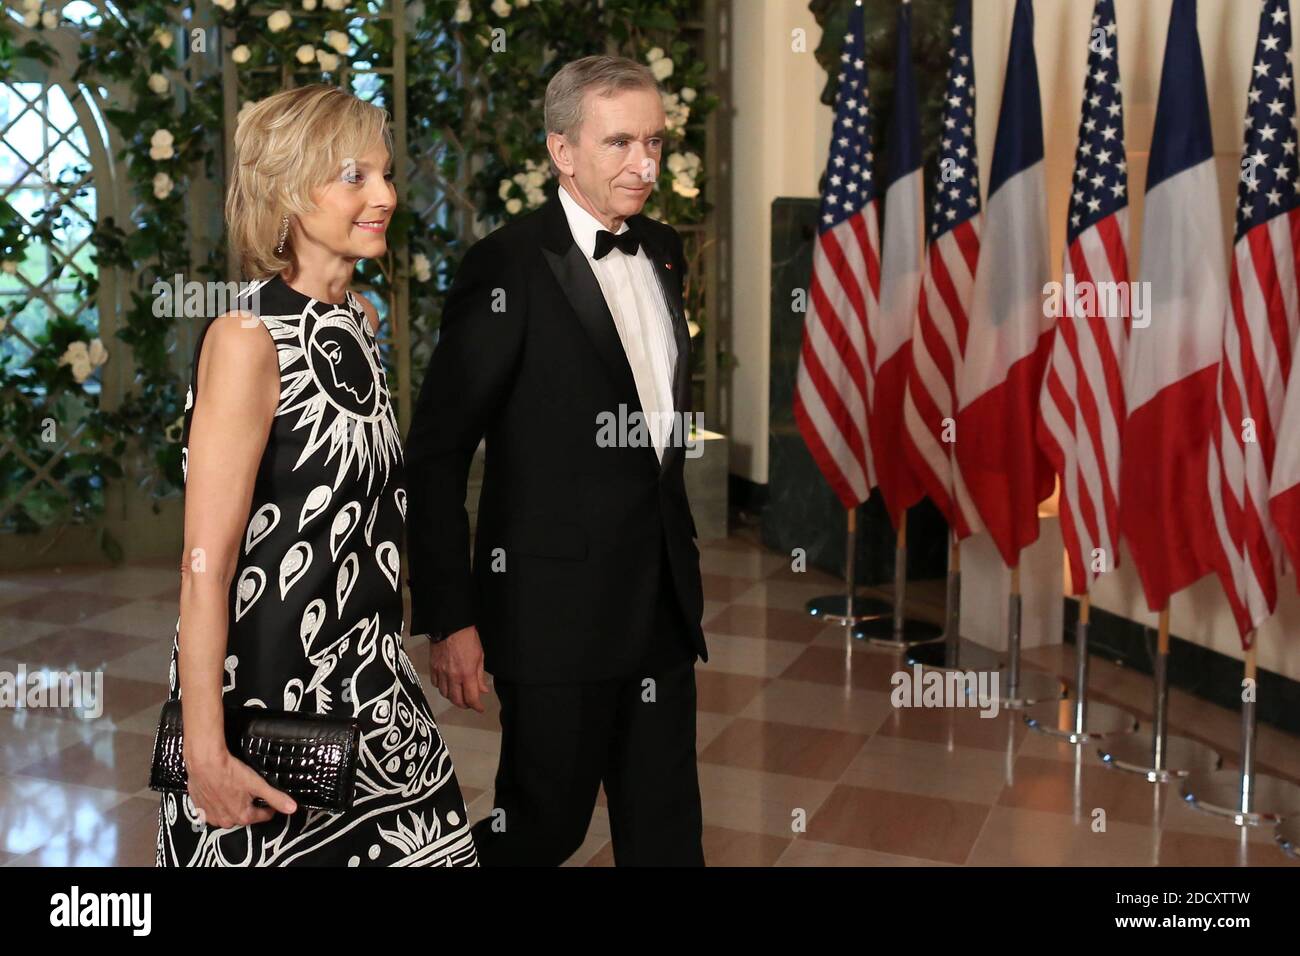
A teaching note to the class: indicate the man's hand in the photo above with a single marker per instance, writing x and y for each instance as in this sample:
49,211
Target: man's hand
456,666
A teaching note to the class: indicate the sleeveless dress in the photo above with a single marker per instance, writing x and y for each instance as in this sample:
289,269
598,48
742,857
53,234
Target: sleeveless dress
316,615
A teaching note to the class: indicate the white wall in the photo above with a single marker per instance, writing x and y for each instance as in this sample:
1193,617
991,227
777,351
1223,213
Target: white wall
780,141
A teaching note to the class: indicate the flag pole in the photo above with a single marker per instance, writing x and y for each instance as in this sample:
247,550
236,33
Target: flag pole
897,631
1080,720
1020,690
952,652
1162,757
1245,797
849,607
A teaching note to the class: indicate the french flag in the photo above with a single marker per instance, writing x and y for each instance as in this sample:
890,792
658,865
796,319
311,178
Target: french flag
1009,339
1172,366
900,285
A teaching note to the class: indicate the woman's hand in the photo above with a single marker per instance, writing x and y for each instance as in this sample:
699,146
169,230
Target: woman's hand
222,788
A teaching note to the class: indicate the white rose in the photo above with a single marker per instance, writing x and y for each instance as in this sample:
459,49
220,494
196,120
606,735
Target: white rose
338,40
675,162
421,267
97,354
158,83
463,13
279,21
535,178
513,206
76,354
162,186
241,54
160,145
305,53
503,190
329,62
31,19
336,4
49,19
32,6
309,4
522,3
163,38
501,8
535,198
662,68
655,53
226,5
81,371
684,187
688,94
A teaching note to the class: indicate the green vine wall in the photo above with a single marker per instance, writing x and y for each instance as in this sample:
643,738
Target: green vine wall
476,73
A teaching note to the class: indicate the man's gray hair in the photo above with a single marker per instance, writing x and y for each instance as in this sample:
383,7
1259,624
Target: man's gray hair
604,74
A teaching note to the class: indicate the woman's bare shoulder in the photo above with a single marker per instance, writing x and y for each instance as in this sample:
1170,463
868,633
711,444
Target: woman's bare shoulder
372,314
238,349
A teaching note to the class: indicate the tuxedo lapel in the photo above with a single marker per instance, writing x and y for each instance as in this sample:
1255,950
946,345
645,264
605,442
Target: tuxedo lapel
580,287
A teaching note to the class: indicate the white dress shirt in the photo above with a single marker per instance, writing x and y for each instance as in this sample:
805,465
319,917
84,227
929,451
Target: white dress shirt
645,327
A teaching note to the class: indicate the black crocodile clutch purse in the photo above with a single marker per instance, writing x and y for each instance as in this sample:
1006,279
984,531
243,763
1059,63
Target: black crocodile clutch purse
311,757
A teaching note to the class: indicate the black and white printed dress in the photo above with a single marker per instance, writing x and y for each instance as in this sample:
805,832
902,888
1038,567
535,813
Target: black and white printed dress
316,608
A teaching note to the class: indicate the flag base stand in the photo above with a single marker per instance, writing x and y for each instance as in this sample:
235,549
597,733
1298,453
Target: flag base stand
898,632
954,655
904,634
1288,836
888,632
1247,801
1080,720
1061,718
835,609
1179,757
848,608
1162,757
1244,796
1031,687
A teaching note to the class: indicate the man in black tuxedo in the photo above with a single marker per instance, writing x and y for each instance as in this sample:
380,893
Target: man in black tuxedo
562,331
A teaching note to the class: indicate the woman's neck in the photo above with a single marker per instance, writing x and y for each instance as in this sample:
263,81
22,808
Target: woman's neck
323,279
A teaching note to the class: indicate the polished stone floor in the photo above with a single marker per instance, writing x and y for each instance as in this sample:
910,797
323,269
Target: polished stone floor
803,760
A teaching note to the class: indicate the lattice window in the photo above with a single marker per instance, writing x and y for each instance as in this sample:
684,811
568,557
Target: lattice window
46,181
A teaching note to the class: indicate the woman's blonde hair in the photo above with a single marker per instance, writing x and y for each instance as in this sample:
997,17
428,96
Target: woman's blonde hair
287,145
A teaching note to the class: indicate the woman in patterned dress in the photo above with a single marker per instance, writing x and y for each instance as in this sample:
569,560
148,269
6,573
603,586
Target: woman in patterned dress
294,513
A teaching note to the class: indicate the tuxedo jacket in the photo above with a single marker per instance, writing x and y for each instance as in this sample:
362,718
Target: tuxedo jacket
570,536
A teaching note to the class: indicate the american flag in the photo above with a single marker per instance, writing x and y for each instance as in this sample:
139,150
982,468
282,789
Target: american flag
1082,401
1259,333
835,378
939,335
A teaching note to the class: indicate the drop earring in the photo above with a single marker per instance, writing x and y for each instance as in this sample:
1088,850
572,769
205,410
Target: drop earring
284,234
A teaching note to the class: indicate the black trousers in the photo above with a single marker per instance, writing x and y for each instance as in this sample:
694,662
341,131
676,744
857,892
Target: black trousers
636,735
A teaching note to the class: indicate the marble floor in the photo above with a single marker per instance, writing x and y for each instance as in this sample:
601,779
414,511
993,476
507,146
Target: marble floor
803,760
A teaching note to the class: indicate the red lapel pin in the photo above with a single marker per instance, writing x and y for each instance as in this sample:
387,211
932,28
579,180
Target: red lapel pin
668,265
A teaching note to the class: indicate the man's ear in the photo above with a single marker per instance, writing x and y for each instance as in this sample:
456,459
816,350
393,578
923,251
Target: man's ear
558,147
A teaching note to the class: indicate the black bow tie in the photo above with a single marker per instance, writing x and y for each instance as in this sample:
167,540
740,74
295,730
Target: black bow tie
606,240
